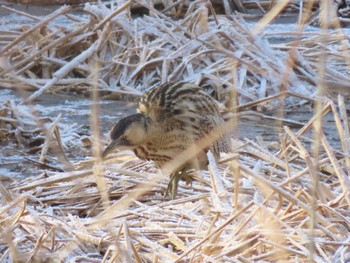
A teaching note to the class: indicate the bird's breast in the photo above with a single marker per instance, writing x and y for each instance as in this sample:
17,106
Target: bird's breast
162,147
159,158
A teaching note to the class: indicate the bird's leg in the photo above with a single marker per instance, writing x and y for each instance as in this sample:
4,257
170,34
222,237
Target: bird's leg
187,176
175,177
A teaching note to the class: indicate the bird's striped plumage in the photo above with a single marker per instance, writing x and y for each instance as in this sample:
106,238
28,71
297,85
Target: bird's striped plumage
170,118
183,113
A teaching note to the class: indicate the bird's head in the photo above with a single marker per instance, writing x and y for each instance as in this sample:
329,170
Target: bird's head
129,133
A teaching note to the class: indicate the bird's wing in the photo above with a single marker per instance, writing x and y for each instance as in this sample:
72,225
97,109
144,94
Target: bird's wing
177,100
189,107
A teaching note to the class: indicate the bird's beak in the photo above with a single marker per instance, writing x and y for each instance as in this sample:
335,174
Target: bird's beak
110,147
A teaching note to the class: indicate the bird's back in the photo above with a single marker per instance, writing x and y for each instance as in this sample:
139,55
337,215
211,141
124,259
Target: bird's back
183,114
179,100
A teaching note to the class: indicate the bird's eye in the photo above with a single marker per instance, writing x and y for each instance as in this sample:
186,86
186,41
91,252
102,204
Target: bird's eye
123,137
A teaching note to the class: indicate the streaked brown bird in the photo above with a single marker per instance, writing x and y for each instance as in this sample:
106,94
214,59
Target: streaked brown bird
171,117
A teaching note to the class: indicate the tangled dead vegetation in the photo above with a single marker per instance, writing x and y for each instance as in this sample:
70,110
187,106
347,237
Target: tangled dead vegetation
256,205
288,202
63,51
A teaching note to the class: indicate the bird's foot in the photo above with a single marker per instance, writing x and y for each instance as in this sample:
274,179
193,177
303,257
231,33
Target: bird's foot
173,185
174,182
188,177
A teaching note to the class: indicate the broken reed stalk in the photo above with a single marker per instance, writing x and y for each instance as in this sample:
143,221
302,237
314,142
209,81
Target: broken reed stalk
50,46
64,71
21,13
48,139
42,23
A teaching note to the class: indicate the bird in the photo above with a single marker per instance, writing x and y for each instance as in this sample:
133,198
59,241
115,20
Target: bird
170,118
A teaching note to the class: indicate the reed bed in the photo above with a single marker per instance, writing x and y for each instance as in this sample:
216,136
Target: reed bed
133,54
257,204
263,202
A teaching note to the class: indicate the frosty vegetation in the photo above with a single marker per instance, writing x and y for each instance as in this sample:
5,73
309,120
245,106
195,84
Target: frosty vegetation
288,201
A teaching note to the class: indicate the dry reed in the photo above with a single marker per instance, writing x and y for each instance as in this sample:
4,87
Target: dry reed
257,204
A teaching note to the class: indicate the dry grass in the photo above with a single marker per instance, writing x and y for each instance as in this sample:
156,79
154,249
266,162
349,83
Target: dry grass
281,213
259,204
136,54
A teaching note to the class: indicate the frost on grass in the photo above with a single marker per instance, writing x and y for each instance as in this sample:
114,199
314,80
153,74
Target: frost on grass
255,205
130,54
258,204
